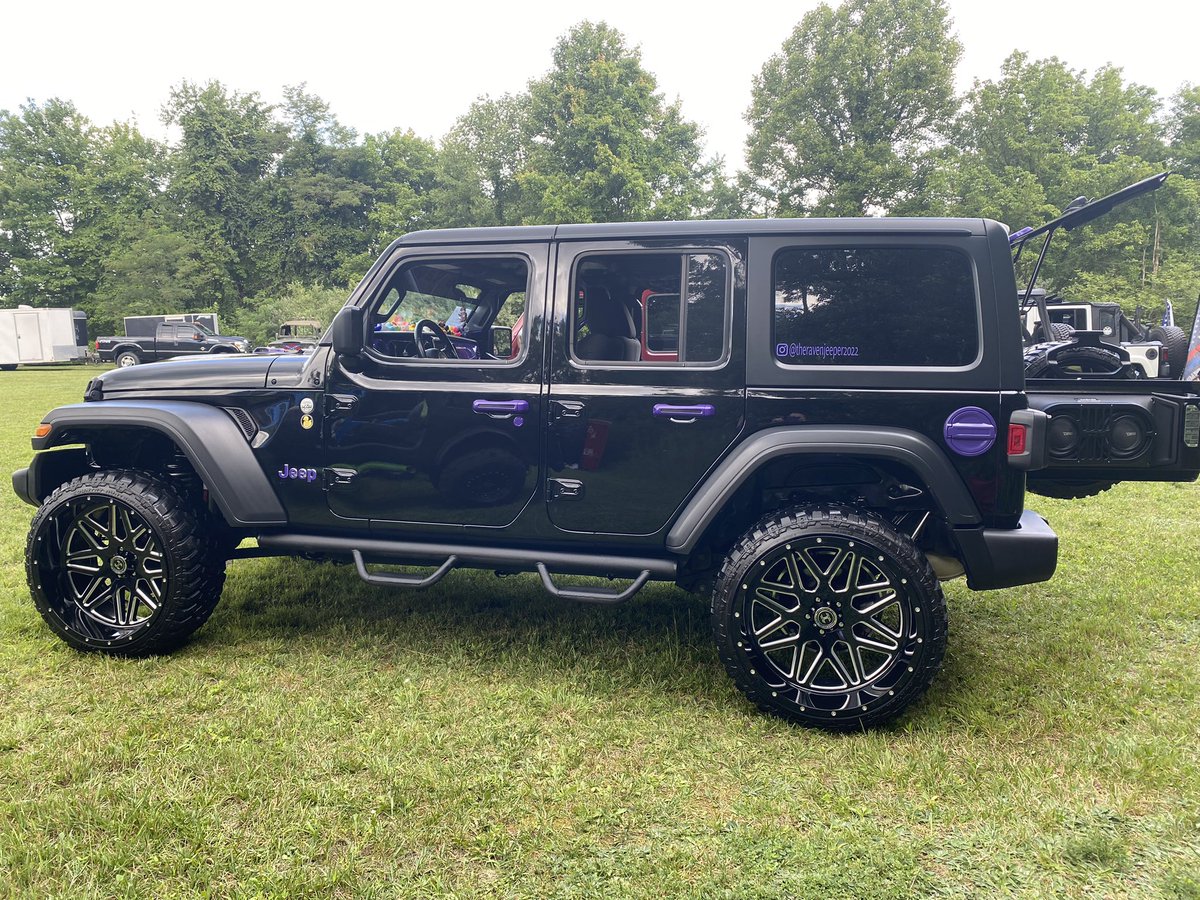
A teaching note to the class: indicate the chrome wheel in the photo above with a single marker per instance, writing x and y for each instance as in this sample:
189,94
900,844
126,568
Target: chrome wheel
123,562
828,616
830,621
114,567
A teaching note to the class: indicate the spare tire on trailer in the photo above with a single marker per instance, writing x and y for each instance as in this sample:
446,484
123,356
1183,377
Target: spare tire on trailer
1175,339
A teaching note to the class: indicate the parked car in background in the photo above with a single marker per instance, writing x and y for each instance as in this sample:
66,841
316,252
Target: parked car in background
188,339
294,336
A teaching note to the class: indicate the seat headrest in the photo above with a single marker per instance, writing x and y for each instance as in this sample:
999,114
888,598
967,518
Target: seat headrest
604,315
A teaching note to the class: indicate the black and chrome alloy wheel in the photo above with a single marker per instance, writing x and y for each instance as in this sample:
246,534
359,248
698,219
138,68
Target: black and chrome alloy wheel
829,617
113,573
120,561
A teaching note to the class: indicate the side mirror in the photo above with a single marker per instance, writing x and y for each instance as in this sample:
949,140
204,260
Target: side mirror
502,341
347,330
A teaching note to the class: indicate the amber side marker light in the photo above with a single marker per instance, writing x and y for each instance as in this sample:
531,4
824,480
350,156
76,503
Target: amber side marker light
42,430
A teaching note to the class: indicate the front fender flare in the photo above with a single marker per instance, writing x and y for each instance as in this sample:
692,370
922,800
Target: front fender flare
899,445
208,437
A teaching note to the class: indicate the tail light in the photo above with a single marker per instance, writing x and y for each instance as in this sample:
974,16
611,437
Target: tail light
1018,439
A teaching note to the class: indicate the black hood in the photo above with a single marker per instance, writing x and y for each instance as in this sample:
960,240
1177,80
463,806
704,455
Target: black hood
218,372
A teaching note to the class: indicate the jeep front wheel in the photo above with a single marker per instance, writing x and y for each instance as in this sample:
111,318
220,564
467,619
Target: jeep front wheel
829,617
119,561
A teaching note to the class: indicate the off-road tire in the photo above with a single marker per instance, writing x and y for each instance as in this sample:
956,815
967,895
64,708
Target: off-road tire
773,552
127,358
1175,339
1061,331
1067,489
192,574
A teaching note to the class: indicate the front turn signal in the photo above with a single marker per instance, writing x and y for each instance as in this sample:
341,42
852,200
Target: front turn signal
42,430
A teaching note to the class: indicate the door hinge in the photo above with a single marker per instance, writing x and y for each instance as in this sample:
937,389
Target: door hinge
565,489
340,404
566,409
335,477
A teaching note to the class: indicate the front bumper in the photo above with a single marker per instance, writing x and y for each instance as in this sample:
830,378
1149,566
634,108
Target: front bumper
1006,557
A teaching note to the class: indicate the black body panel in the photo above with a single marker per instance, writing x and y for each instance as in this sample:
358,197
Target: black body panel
908,448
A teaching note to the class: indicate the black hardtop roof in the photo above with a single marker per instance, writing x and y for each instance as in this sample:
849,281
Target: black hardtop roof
696,228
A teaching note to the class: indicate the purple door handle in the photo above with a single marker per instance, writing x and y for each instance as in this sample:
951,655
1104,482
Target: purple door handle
683,413
500,407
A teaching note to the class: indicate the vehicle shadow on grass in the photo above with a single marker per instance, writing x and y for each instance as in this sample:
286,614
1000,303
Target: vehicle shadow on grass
660,641
477,620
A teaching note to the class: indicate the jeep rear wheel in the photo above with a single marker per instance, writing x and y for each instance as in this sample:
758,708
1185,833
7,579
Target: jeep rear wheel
119,561
829,617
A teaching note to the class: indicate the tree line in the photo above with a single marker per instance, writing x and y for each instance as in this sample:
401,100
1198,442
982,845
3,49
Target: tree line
263,212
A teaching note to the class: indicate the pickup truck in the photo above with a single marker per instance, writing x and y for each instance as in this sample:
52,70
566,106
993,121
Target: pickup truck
170,340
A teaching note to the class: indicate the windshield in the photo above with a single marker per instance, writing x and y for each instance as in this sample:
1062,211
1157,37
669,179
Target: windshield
403,313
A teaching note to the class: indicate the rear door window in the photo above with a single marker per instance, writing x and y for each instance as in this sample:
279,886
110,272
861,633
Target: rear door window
898,307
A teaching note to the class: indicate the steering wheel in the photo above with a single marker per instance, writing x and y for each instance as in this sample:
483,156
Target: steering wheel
440,346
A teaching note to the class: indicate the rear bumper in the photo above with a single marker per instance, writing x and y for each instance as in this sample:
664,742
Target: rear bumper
1005,557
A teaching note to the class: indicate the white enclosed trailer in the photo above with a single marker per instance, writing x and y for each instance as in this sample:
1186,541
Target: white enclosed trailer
29,336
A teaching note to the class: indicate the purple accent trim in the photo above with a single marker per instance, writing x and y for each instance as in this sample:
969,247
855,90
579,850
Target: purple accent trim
670,411
518,421
464,347
500,407
970,431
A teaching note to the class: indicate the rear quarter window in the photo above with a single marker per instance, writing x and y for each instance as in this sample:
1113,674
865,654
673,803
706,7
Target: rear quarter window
875,306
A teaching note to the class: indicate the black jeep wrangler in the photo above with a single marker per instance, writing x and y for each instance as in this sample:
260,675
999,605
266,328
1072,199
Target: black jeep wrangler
752,407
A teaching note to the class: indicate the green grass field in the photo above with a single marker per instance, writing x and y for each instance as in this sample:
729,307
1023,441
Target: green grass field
322,738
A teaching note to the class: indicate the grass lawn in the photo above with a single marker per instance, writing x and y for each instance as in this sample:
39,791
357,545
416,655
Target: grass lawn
322,738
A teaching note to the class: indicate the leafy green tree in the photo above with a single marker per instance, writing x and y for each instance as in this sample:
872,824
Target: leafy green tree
320,194
154,269
259,318
1184,130
603,145
843,117
1042,134
482,159
47,206
401,176
230,145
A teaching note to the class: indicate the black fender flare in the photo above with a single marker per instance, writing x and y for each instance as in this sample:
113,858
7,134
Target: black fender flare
207,435
910,449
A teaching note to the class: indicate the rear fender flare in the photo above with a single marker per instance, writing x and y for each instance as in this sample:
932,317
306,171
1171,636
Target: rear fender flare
208,437
899,445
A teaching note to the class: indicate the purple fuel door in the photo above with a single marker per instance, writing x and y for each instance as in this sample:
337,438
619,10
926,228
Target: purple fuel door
970,431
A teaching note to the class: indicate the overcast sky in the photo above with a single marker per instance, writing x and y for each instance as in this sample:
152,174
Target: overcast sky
419,65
